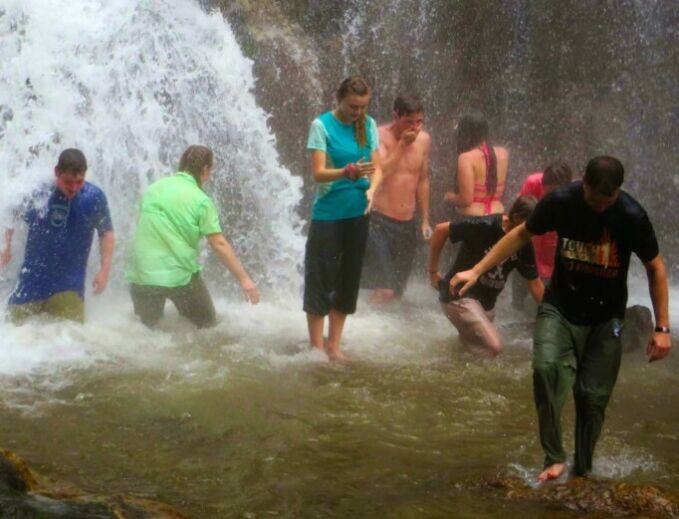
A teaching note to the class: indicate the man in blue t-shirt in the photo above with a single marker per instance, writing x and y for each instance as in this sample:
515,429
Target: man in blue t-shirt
61,220
577,340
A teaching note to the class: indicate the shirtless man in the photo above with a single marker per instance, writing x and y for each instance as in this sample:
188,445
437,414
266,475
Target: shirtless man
392,240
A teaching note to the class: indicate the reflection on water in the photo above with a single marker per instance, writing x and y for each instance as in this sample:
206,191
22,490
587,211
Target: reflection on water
243,419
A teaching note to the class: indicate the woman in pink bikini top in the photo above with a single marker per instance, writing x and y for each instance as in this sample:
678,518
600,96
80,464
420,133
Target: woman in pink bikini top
481,169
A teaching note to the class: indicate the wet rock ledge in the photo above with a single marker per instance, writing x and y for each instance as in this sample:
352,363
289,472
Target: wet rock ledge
26,495
588,495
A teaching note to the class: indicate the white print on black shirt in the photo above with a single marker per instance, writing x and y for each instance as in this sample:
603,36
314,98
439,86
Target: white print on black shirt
495,277
600,259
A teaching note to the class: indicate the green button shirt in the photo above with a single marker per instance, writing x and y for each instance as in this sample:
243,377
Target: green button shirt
175,214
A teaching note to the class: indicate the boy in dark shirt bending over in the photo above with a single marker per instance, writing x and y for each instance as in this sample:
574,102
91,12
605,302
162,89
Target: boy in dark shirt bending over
473,314
577,333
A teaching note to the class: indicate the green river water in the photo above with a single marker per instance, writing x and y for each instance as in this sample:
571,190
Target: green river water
243,421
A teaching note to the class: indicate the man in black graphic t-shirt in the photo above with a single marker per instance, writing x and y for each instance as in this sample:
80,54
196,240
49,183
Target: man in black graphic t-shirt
577,334
473,314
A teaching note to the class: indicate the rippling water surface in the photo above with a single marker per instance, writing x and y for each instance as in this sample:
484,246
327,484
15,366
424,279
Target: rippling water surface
242,420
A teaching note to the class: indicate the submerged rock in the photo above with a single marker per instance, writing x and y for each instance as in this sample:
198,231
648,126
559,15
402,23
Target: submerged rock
638,328
26,495
591,495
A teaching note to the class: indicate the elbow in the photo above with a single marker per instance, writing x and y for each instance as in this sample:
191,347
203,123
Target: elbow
656,267
216,241
463,201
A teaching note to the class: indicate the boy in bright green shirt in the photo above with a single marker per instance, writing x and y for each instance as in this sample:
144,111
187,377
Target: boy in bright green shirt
175,215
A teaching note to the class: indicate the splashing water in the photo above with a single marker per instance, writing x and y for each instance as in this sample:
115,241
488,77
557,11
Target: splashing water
132,99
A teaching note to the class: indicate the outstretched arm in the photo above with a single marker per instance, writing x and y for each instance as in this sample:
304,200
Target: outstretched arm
508,245
228,257
106,246
6,252
438,240
536,288
660,342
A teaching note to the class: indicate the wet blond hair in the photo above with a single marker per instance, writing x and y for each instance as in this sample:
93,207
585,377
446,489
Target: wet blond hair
358,86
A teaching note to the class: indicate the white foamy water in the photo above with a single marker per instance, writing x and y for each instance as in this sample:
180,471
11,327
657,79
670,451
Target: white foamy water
132,84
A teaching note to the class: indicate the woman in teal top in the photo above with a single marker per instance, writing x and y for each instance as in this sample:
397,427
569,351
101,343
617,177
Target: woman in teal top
345,165
175,215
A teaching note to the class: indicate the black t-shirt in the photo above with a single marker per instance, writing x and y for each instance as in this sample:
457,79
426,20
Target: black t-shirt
589,284
478,234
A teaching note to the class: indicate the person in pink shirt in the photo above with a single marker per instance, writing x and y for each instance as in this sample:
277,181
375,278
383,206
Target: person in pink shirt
558,173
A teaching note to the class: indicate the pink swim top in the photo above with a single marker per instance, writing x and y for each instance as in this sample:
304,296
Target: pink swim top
481,194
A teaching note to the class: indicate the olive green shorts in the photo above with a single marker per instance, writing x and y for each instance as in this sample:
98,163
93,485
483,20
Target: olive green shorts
62,305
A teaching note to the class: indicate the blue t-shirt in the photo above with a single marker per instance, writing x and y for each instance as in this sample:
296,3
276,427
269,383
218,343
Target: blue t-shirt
60,233
341,198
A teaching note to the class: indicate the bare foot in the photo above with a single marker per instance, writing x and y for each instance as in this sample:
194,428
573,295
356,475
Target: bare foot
552,472
336,355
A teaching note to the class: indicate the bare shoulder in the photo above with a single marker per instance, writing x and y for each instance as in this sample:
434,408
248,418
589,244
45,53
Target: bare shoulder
501,152
386,135
469,157
425,138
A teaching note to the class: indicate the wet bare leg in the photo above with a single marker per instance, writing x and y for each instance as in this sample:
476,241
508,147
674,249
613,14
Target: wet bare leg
478,349
315,324
337,320
475,326
382,296
552,472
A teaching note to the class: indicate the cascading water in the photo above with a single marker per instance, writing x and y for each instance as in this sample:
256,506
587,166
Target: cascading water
132,84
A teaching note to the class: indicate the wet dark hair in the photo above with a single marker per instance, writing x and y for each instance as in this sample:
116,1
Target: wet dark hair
522,208
472,132
557,173
358,86
194,159
72,160
604,175
408,104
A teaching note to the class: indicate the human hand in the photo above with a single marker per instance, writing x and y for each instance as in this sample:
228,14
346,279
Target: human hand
365,168
462,281
659,346
434,279
100,281
426,231
250,290
449,197
408,137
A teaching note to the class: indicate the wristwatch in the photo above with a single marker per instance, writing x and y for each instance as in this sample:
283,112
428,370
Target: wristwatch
662,329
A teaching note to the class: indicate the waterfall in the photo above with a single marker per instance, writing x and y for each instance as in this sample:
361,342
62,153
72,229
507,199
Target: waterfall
132,84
